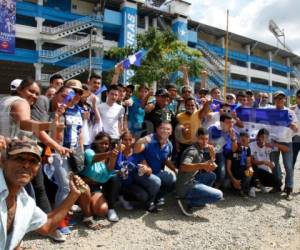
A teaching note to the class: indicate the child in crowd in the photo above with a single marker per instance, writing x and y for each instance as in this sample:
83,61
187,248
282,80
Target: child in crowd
239,168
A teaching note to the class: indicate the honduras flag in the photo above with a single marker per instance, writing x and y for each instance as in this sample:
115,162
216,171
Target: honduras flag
134,59
276,121
100,90
216,104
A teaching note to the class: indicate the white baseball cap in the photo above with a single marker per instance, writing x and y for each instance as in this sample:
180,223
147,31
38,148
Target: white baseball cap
15,84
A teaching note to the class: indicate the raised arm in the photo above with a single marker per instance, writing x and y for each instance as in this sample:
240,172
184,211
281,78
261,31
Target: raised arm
118,71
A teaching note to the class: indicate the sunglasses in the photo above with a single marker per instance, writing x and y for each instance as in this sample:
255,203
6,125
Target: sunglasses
23,159
78,92
225,110
229,98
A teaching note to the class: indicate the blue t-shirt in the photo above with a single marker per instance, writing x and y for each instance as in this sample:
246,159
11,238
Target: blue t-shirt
155,155
136,115
96,171
73,125
131,162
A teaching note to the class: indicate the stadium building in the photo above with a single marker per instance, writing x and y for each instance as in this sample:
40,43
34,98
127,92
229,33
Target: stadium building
69,37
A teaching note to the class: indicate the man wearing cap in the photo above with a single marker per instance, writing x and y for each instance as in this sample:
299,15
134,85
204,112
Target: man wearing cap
230,99
280,100
19,213
14,85
160,113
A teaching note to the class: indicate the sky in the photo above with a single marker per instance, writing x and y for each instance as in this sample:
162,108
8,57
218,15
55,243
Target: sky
250,18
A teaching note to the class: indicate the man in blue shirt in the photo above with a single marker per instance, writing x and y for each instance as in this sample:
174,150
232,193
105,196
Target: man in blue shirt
156,149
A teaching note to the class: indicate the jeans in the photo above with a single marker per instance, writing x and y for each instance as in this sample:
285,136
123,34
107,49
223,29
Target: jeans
157,185
220,170
150,183
111,190
296,148
288,165
61,175
168,181
266,178
201,192
238,173
41,198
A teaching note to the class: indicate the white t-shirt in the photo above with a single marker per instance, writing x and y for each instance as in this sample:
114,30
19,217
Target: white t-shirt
297,112
260,154
111,116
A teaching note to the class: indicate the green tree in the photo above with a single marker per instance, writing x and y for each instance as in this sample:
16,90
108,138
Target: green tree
165,53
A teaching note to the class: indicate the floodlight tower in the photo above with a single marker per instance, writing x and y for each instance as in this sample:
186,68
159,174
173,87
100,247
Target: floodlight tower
279,34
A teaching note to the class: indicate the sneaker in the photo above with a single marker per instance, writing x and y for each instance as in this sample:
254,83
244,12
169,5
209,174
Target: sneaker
263,189
64,230
275,190
75,209
252,192
152,208
160,201
185,208
57,236
242,194
289,192
126,204
112,215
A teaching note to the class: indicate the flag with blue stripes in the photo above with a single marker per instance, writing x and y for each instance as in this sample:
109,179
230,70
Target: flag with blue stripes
135,59
276,121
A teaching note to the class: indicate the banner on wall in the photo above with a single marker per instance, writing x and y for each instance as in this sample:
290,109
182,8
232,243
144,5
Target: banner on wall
130,36
7,26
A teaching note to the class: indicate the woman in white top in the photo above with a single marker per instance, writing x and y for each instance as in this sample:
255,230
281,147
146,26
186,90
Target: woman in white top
15,112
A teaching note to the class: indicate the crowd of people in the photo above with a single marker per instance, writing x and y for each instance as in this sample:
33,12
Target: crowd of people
86,148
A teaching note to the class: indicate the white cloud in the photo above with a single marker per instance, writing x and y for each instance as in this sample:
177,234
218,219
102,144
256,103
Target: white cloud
251,17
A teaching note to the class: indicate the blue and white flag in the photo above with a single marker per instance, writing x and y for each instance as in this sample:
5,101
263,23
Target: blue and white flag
134,59
277,122
7,26
216,104
100,90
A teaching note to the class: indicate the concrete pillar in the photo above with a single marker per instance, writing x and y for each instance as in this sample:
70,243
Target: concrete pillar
270,55
146,23
38,66
288,63
128,31
38,71
222,42
179,26
154,22
248,52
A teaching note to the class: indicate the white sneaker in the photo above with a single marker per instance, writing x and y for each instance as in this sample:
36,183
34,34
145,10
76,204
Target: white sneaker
57,236
75,209
126,204
252,192
112,215
263,189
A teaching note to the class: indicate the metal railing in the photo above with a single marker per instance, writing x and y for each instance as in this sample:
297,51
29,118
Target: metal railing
69,50
85,21
210,55
75,69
